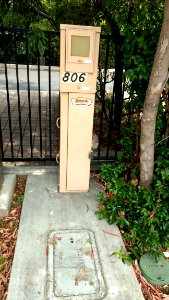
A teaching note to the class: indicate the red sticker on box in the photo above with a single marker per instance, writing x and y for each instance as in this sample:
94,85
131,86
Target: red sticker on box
81,101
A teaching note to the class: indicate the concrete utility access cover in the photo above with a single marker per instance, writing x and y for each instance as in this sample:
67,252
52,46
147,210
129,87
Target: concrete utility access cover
74,269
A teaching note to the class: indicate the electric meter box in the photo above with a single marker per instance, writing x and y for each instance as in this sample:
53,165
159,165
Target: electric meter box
79,51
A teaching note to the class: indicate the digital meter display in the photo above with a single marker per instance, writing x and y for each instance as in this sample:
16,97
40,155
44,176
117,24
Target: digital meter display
80,46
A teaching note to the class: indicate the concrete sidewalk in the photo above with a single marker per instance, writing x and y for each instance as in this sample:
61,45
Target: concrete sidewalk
62,252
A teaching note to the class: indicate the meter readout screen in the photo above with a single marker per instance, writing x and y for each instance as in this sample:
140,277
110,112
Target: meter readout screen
80,46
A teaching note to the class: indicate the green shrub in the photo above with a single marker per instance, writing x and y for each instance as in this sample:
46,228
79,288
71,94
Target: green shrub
142,215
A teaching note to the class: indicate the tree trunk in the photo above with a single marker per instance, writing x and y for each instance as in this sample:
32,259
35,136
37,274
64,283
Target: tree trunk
158,78
166,97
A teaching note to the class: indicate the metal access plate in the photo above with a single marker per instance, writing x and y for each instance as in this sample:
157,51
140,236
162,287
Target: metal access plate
74,269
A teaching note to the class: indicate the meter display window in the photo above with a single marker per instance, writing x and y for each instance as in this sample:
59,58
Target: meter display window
80,46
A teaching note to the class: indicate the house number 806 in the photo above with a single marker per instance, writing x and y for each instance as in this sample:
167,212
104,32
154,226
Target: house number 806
74,77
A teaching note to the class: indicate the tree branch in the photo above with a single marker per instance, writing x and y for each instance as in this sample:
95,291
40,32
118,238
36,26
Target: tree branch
161,141
45,15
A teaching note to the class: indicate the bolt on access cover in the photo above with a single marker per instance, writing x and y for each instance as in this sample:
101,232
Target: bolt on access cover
74,269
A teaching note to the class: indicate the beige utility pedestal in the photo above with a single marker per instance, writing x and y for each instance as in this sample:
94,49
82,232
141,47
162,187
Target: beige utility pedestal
79,50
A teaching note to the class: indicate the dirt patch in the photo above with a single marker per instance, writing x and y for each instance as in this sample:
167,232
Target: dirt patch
8,235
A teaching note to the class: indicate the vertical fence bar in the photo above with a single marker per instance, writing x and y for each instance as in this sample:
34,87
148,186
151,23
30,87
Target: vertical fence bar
9,110
8,99
111,114
18,93
103,96
50,126
29,98
39,95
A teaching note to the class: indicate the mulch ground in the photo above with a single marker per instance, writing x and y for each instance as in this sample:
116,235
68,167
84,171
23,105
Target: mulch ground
8,236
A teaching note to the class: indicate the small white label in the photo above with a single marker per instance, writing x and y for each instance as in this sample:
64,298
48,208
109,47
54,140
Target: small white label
85,88
87,61
81,101
71,77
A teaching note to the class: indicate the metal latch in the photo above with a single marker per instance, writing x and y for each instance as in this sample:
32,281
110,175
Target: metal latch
58,123
58,158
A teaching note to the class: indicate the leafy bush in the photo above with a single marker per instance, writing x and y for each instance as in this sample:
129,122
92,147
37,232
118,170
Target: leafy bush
20,199
128,139
142,215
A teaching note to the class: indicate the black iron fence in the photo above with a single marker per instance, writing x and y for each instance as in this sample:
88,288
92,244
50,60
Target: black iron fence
28,110
29,85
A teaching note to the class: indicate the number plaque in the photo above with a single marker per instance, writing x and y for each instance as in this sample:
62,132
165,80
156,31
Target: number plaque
74,77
